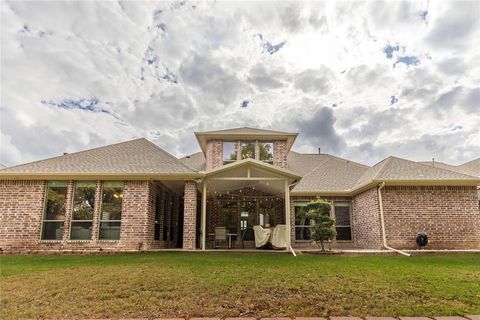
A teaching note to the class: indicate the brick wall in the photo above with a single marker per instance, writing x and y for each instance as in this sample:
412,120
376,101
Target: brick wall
21,204
280,153
21,211
449,215
214,154
366,229
190,215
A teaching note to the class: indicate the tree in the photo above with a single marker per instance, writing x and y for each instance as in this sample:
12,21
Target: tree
322,229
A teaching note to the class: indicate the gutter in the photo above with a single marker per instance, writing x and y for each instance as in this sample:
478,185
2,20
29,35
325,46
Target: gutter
382,221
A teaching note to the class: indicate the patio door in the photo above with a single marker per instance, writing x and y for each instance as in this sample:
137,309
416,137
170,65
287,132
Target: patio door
248,218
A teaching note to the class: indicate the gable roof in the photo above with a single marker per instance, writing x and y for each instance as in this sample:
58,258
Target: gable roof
248,131
471,168
245,133
135,157
401,170
438,164
324,173
196,161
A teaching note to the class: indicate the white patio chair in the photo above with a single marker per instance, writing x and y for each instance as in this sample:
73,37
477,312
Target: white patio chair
220,235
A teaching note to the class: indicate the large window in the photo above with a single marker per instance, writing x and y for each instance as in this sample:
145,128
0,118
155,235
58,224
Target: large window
266,151
111,215
302,222
83,208
229,151
342,221
54,211
247,149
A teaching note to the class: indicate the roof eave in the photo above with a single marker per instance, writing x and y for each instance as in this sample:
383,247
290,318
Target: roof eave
203,137
99,176
240,163
345,193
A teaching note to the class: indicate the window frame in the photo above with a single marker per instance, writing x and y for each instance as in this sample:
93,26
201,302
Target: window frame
295,227
236,144
100,220
258,142
72,220
343,204
44,211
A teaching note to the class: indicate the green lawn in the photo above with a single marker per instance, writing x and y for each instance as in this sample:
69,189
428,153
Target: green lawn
196,284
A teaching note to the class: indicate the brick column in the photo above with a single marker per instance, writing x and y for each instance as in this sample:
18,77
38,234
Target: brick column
68,211
190,215
280,153
97,210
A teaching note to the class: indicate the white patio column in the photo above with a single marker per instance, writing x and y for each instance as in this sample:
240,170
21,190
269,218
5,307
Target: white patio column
203,218
287,215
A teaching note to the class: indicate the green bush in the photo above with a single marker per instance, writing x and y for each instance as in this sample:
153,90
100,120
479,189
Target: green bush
322,230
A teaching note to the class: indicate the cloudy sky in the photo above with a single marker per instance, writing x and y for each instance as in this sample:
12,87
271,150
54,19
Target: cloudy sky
360,80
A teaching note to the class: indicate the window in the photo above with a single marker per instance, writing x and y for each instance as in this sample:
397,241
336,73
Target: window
342,221
54,210
158,214
302,222
229,151
247,149
83,207
266,151
229,216
111,214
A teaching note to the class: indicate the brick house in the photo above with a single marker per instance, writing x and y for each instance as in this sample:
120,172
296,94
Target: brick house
135,196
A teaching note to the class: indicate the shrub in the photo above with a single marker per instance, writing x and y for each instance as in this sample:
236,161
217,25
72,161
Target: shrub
322,229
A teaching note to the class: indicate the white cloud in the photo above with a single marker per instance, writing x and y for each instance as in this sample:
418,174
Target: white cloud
80,74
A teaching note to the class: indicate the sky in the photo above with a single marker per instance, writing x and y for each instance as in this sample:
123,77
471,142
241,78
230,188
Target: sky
360,80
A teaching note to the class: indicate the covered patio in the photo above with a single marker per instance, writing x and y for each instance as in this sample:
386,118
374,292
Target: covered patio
244,205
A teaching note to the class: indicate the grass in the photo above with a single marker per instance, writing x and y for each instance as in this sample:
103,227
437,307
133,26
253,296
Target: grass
196,284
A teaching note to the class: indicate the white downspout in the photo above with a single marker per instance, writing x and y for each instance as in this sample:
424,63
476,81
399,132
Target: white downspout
287,215
382,221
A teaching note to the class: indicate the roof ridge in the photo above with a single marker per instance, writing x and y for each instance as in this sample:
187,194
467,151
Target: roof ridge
437,168
468,162
76,152
316,167
333,156
383,166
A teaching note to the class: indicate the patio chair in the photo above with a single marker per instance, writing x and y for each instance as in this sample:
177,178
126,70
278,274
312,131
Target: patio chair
220,235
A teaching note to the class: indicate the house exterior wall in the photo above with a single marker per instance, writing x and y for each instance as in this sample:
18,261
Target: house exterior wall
449,215
280,153
21,205
21,214
214,154
366,220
